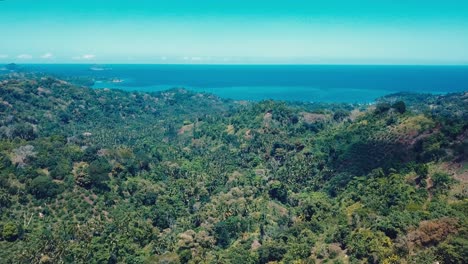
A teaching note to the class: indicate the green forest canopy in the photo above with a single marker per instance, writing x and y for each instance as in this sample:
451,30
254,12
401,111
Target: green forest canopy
106,176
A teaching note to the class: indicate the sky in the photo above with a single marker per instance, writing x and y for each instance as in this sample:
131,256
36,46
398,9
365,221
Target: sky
234,31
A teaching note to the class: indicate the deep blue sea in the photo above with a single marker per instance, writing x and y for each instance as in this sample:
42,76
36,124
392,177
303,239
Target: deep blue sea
325,83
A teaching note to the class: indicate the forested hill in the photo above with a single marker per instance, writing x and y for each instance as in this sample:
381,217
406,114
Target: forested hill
106,176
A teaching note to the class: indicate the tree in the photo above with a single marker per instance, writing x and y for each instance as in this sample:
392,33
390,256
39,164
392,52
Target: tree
453,251
164,215
270,252
222,235
5,200
98,171
10,231
400,106
421,170
229,229
381,108
43,187
315,206
441,182
61,169
24,131
82,177
340,114
371,245
278,191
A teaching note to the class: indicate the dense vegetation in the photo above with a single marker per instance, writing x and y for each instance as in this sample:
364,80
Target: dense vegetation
106,176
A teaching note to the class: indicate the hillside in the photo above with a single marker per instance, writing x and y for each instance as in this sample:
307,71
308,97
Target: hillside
106,176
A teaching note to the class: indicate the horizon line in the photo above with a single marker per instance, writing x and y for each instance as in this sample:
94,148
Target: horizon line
240,64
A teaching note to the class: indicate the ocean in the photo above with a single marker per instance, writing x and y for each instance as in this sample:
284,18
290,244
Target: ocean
313,83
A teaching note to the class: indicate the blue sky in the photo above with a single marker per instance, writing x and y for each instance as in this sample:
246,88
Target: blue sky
235,31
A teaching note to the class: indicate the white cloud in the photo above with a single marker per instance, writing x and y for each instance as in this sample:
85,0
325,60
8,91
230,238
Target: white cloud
3,56
24,56
48,55
85,57
193,58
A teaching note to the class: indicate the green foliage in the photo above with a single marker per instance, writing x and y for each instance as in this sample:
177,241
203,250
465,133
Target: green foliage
61,170
455,250
340,114
5,199
43,187
82,176
278,191
229,229
421,170
106,176
314,207
270,252
366,244
381,108
10,231
98,171
400,107
441,182
23,131
239,255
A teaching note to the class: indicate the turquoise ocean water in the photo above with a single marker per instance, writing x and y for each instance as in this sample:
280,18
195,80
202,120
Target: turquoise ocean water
324,83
